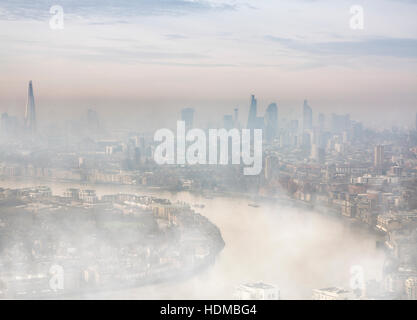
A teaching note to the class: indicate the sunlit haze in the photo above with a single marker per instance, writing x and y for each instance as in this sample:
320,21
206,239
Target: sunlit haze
210,55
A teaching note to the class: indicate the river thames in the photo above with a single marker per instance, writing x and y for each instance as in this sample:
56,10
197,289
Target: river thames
293,248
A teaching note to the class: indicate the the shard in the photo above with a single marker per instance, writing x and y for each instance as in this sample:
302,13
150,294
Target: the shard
30,113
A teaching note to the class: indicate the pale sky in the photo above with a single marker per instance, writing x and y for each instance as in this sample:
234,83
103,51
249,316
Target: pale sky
151,58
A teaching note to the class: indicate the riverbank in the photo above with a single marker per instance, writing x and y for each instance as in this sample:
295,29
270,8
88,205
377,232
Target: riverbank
145,248
283,244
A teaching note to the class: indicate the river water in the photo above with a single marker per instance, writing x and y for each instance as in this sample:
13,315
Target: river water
295,249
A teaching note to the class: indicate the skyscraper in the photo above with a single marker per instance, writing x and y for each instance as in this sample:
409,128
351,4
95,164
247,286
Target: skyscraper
93,120
4,124
254,122
307,117
30,113
294,127
228,122
187,115
236,118
340,123
322,122
379,156
271,122
252,113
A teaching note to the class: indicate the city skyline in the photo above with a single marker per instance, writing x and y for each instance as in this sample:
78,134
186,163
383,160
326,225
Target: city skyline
308,119
151,58
270,122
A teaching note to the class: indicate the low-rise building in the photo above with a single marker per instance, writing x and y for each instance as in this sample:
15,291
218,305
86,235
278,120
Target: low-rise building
411,288
332,293
257,291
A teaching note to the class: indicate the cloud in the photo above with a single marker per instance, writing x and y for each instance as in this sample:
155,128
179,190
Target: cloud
39,10
127,53
388,47
175,36
406,1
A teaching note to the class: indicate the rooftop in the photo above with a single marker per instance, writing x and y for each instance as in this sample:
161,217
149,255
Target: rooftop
259,285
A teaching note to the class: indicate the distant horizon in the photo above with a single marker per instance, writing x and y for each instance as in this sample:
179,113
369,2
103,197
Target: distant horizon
148,59
49,114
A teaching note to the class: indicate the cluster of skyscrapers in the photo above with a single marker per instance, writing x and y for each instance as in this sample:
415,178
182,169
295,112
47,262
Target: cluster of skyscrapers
269,123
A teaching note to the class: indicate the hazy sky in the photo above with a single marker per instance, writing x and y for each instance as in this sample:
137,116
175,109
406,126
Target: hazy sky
152,57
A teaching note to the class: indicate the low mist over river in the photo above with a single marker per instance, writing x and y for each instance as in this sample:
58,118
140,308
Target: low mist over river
295,249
